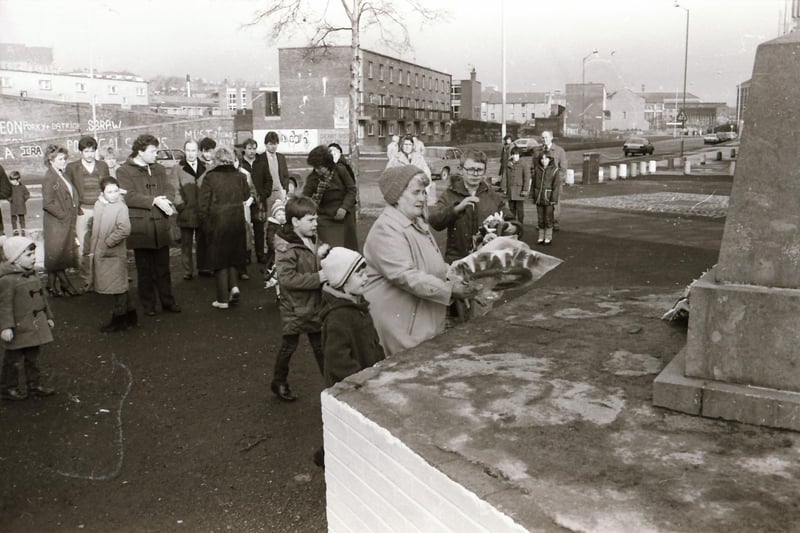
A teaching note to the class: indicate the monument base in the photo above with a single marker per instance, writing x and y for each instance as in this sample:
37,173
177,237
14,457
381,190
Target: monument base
728,401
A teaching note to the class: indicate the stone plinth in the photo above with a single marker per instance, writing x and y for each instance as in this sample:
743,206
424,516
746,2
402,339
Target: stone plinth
742,356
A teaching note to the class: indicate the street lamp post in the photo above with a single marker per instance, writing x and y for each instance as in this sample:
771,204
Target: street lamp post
583,85
685,72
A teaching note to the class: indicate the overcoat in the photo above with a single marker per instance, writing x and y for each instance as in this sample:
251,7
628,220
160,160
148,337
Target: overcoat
406,288
23,307
19,195
110,228
187,192
60,206
516,181
149,225
221,211
298,269
341,193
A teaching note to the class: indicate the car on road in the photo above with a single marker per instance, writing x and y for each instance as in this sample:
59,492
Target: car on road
169,157
711,138
527,145
637,145
726,136
442,160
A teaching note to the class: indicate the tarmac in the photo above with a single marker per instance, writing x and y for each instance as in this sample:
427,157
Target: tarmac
544,407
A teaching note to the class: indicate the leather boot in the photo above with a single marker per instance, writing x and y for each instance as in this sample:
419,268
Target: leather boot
541,237
118,323
132,318
548,236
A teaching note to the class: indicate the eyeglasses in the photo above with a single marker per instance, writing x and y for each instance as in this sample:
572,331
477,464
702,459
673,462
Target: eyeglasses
475,171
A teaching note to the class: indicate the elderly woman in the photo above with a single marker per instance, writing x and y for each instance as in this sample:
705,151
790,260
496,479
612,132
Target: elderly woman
224,195
334,191
407,287
60,205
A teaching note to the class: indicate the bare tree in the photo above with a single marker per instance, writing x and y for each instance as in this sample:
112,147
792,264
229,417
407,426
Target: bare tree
390,17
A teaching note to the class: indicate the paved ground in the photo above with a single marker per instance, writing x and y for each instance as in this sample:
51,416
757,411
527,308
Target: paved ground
170,427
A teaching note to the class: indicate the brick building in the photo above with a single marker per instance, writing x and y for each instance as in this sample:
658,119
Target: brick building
395,96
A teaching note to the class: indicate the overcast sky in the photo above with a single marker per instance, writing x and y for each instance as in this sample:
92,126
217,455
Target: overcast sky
639,42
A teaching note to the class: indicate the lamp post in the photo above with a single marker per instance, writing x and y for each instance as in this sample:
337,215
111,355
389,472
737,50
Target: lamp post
503,67
583,85
685,71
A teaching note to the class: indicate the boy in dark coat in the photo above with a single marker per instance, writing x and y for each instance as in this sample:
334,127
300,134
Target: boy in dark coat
19,196
25,318
300,277
349,339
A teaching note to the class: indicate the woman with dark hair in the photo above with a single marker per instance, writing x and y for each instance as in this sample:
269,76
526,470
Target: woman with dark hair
60,205
334,191
221,206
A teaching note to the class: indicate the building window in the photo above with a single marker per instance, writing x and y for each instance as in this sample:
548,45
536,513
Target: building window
243,98
361,97
416,80
436,129
380,72
360,129
492,116
533,116
447,128
430,84
231,99
408,78
422,127
369,70
381,129
371,98
5,82
391,74
140,91
370,128
112,89
80,87
423,81
391,100
45,85
391,128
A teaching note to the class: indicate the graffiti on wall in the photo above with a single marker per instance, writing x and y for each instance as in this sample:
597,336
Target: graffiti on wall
291,141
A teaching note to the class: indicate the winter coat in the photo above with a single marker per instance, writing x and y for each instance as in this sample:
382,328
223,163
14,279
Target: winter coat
23,307
60,213
406,288
149,225
462,227
559,157
187,192
19,195
415,158
544,180
268,187
5,185
110,228
86,183
505,157
221,211
298,269
341,193
349,340
516,181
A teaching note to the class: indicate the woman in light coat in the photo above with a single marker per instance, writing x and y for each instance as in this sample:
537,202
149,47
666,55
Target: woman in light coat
407,287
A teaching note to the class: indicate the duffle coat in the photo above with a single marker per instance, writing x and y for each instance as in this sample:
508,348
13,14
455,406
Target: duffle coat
406,288
516,181
110,229
184,178
221,210
60,206
349,340
544,180
298,268
149,225
462,227
23,307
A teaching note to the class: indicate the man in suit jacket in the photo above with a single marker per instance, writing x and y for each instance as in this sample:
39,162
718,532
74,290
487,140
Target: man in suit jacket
184,177
270,177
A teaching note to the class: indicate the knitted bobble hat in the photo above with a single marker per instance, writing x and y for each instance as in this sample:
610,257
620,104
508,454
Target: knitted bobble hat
339,265
14,247
393,181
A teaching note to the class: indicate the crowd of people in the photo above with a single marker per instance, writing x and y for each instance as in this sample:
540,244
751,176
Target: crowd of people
223,209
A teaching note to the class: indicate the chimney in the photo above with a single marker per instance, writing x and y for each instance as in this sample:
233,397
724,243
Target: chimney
188,87
473,75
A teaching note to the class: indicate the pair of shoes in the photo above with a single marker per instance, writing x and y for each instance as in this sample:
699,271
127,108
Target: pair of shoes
174,308
118,323
262,260
540,241
244,276
55,293
283,391
14,395
219,305
233,299
40,391
72,291
150,312
187,277
319,458
205,273
132,318
547,243
87,288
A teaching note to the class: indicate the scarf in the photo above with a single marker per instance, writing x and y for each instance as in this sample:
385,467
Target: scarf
322,186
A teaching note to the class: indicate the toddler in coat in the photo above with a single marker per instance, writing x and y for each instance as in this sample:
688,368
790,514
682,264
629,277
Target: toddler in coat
25,319
546,185
19,195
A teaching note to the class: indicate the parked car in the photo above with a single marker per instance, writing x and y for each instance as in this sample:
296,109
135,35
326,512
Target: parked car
711,138
726,136
169,157
527,145
637,145
442,160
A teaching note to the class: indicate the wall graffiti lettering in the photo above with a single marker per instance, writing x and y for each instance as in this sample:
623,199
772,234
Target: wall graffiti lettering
32,150
19,127
104,124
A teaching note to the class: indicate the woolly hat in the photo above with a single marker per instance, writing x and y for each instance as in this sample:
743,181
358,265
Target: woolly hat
277,207
339,265
14,247
393,181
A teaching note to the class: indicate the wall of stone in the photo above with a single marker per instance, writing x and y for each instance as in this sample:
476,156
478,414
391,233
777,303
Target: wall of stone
376,483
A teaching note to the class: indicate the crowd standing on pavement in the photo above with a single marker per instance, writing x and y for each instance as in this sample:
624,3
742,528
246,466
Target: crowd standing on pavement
221,210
